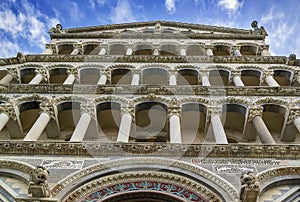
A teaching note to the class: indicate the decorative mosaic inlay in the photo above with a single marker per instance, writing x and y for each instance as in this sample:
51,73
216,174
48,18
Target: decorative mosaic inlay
234,169
62,164
144,186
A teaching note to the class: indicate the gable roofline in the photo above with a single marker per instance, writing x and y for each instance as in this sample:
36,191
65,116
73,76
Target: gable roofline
153,23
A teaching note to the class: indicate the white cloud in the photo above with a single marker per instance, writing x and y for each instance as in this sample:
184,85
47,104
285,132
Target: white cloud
122,12
170,6
93,3
230,5
22,27
75,13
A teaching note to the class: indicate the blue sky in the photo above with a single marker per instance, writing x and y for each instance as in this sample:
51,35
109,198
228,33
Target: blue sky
24,23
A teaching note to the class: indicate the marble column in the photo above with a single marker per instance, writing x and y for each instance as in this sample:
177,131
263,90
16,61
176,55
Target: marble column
129,51
209,52
7,79
135,79
238,81
3,120
218,130
172,80
102,51
38,127
75,51
237,52
125,127
271,81
182,52
69,80
262,130
296,122
205,81
36,79
265,52
102,80
175,130
81,128
48,51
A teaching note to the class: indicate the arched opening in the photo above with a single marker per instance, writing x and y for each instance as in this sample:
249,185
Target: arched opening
117,49
65,49
143,50
58,75
109,118
219,77
89,75
154,76
274,117
121,76
151,122
251,77
27,75
68,117
168,50
187,77
193,121
29,112
221,50
194,50
248,50
283,77
233,118
3,73
91,49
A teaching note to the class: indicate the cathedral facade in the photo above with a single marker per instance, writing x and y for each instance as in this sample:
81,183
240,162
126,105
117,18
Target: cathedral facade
152,111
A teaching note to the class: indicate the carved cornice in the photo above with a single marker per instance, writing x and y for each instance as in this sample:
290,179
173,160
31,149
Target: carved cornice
148,59
141,149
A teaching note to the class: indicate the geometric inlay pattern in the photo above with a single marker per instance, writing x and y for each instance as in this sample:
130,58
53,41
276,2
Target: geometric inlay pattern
128,187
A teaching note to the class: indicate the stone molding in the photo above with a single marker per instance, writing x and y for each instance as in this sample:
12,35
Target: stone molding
278,172
188,184
159,149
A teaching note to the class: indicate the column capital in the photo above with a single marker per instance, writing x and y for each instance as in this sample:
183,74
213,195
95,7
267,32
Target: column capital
235,73
208,47
14,72
104,45
136,71
127,110
254,111
204,73
174,111
293,114
79,47
212,111
267,73
51,46
48,108
73,71
88,108
106,72
43,72
172,71
8,109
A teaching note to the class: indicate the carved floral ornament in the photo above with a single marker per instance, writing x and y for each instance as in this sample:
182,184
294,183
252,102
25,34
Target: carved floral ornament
278,172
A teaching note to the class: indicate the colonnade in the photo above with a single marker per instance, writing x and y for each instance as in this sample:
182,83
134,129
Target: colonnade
127,120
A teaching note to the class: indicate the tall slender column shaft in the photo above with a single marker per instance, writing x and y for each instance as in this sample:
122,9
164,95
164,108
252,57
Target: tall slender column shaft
3,120
218,130
172,80
271,82
36,79
38,127
69,80
75,52
237,53
205,81
296,122
102,80
175,130
81,128
182,52
238,81
135,79
7,79
125,127
262,130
